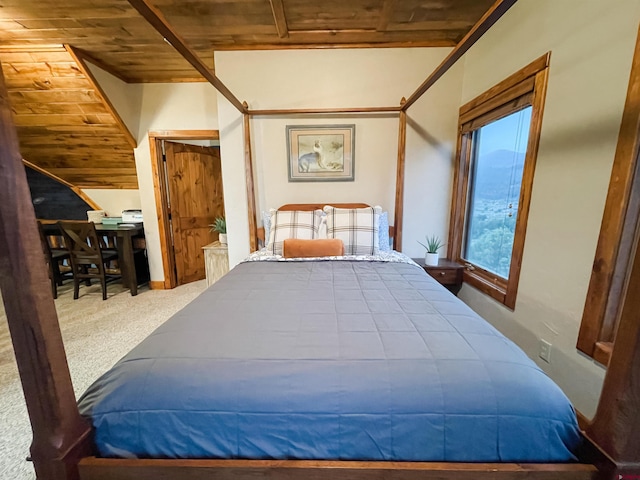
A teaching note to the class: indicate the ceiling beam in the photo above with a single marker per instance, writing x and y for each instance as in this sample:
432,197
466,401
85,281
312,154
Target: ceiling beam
485,23
385,15
157,21
277,7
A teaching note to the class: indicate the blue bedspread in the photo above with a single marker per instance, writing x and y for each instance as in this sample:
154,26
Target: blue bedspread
330,360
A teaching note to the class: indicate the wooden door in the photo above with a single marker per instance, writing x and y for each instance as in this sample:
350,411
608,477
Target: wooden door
194,178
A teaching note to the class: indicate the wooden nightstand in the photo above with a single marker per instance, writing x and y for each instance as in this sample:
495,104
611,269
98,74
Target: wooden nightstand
447,273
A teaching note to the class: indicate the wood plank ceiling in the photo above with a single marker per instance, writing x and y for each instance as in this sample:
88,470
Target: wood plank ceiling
45,83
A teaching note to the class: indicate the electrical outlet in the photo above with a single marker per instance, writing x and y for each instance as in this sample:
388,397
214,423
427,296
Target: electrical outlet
544,350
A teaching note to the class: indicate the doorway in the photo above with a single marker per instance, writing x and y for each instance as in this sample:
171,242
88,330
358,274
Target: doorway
189,196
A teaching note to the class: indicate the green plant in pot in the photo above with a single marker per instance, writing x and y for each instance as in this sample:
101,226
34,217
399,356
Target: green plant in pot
220,225
432,246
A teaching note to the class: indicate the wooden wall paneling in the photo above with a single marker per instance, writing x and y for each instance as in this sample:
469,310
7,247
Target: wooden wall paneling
65,126
60,435
251,195
399,205
155,18
485,23
80,61
619,223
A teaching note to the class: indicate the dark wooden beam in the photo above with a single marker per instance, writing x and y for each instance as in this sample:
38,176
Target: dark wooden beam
277,7
485,23
399,206
251,195
60,435
322,111
157,21
616,425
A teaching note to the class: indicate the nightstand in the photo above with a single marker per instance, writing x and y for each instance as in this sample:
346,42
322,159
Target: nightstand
447,273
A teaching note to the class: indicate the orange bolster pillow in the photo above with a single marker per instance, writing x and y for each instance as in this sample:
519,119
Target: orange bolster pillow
298,248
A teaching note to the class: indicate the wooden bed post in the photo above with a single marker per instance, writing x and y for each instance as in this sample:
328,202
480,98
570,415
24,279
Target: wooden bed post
402,140
616,425
60,435
248,167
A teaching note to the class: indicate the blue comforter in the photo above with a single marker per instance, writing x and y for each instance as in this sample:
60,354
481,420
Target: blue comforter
330,360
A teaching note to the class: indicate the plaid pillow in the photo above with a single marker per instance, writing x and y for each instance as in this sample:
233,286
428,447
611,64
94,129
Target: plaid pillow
292,224
356,227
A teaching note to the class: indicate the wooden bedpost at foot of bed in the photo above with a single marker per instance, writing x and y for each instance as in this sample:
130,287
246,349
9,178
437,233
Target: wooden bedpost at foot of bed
60,435
616,425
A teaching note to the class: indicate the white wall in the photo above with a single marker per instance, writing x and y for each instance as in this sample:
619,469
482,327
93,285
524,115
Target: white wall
592,44
178,106
145,107
126,98
340,78
113,201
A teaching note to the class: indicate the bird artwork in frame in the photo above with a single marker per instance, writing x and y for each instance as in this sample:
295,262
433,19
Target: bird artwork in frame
321,153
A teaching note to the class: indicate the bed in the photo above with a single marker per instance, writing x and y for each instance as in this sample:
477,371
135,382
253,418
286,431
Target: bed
334,360
351,358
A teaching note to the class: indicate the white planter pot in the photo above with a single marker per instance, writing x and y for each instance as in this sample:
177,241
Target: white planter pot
431,259
223,238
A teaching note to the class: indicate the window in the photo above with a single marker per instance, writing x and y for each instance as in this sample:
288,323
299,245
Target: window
619,238
497,148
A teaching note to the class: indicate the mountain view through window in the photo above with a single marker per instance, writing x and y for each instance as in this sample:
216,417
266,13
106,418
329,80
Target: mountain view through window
497,164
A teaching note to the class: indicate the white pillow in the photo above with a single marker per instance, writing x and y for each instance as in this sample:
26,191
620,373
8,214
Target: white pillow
358,228
292,224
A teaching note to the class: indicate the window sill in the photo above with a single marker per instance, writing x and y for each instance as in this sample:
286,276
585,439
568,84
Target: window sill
487,286
602,352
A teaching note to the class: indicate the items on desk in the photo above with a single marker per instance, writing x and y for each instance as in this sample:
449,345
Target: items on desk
132,216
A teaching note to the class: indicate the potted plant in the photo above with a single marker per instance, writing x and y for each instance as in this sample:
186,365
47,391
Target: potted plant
431,255
220,225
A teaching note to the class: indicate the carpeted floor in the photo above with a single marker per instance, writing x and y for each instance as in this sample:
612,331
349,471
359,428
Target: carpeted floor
96,334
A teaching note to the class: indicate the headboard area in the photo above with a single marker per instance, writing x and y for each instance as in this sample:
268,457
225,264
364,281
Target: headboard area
316,206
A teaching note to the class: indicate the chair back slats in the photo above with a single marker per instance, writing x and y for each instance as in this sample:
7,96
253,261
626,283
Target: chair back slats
84,247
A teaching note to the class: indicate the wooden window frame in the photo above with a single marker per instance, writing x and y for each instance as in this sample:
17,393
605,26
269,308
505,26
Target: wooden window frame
526,87
619,234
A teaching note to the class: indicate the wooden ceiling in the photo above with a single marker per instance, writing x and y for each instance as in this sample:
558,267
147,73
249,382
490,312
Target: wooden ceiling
67,126
121,40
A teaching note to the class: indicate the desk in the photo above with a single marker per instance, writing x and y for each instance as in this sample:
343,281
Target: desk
132,274
124,243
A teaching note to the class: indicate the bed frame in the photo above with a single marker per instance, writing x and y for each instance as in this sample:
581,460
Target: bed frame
62,447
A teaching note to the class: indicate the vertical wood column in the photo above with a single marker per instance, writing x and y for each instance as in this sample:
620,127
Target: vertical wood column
248,168
616,425
402,139
60,435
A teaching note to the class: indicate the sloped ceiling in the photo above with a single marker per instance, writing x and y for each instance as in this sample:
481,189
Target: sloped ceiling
64,125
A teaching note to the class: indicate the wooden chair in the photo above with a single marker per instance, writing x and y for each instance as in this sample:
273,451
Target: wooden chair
87,258
53,257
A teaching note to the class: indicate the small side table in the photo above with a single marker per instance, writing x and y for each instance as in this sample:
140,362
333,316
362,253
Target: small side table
447,273
216,261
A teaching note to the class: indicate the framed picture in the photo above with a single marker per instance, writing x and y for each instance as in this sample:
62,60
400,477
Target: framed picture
321,153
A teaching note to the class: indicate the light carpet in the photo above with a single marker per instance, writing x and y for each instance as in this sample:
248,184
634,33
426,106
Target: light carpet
96,334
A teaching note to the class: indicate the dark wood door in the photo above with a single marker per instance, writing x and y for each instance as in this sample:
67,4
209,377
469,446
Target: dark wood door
194,178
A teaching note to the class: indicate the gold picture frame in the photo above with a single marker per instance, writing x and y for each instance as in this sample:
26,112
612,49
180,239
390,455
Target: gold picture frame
321,153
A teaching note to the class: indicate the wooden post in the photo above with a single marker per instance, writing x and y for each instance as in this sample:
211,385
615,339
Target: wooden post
60,435
616,425
248,167
402,139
